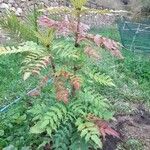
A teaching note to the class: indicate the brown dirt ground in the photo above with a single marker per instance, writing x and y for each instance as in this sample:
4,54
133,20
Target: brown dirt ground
133,126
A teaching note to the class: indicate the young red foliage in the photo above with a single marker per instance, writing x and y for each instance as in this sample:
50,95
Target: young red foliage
74,80
107,43
64,74
44,81
64,27
92,53
43,63
67,27
76,83
103,127
62,94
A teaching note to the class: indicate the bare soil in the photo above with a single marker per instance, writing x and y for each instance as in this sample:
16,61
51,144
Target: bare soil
133,126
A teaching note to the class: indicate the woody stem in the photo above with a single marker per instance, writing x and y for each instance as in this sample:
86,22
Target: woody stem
73,91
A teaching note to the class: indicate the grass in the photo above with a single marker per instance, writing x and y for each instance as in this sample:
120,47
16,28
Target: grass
9,76
11,82
131,76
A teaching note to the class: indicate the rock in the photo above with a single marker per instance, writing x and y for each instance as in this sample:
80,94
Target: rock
18,11
11,1
20,7
4,6
15,5
46,1
13,9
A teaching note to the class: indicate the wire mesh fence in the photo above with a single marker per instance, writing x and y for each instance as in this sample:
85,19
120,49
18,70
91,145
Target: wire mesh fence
135,36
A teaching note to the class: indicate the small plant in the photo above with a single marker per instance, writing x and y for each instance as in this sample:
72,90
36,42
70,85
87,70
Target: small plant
20,29
14,129
74,116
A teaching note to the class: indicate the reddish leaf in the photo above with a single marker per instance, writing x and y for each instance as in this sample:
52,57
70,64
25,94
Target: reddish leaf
62,94
76,83
109,44
112,132
103,127
97,39
65,74
44,81
47,22
36,71
91,53
64,27
103,133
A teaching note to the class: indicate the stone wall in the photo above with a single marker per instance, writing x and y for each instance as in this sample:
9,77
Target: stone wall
18,6
21,6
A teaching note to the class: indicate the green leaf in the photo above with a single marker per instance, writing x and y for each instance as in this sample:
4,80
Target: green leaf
26,148
36,118
89,124
36,129
81,112
79,121
108,115
57,111
2,132
42,145
26,75
84,145
97,140
81,127
52,124
49,131
84,132
54,116
87,137
85,125
10,147
62,108
44,124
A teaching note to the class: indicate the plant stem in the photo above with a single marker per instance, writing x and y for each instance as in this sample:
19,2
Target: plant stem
78,30
73,91
53,65
52,61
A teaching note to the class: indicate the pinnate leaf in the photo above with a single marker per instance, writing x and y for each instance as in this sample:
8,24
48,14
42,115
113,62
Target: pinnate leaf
97,140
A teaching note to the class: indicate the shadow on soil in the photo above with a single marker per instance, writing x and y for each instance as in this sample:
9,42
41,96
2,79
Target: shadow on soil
134,126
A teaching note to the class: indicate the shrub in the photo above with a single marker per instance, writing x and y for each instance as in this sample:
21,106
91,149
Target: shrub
75,115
